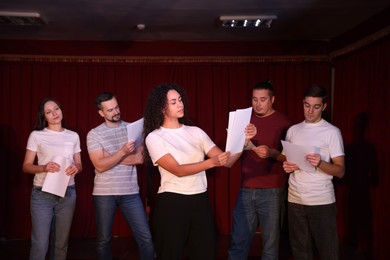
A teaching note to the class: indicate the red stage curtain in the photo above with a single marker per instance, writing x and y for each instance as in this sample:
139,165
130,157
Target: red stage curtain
214,89
361,111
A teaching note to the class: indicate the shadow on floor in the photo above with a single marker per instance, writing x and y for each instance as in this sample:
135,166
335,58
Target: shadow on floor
125,248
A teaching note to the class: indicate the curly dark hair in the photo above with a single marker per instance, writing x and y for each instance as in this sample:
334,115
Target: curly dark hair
40,122
155,104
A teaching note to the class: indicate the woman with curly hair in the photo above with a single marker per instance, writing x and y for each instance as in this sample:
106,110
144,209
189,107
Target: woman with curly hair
183,216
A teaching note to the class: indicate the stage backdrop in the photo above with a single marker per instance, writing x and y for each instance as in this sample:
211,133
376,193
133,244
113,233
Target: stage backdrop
361,111
359,76
214,86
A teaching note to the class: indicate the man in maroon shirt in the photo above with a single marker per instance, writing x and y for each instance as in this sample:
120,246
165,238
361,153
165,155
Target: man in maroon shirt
263,181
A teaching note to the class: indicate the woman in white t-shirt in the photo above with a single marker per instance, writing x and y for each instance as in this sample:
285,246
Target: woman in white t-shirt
52,203
182,216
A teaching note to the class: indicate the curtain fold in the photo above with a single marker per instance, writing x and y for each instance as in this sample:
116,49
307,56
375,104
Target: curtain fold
361,111
214,89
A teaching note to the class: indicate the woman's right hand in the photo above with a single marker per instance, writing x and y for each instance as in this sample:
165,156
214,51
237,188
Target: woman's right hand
52,167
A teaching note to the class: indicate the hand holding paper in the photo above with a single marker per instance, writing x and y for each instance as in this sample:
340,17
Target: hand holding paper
290,167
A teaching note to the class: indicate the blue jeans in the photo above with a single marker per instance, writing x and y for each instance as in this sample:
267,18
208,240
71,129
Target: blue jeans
134,213
313,224
51,218
256,207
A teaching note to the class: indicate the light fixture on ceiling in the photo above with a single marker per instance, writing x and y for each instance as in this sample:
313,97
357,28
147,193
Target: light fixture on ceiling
141,26
247,21
21,18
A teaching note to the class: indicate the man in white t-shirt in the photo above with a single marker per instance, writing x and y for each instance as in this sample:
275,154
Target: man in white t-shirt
311,197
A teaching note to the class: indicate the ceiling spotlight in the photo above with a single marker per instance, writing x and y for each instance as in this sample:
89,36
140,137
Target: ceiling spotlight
247,21
21,18
141,26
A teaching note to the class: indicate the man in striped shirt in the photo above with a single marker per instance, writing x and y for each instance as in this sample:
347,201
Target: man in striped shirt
115,183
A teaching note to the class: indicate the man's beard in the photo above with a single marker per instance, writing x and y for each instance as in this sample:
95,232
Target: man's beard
113,120
259,114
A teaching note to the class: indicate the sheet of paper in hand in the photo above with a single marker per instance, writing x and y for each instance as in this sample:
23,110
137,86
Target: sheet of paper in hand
134,131
57,182
238,120
296,154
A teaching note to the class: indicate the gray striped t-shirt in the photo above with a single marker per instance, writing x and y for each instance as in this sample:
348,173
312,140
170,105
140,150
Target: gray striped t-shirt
121,179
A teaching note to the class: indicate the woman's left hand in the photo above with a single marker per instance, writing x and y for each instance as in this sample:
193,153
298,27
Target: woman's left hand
72,170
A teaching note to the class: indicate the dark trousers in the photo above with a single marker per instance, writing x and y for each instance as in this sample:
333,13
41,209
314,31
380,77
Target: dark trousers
313,227
183,224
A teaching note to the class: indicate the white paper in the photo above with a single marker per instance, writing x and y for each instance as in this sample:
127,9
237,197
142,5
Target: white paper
134,131
57,182
296,154
238,120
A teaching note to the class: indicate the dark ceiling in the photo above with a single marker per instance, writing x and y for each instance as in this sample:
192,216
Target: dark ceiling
187,20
